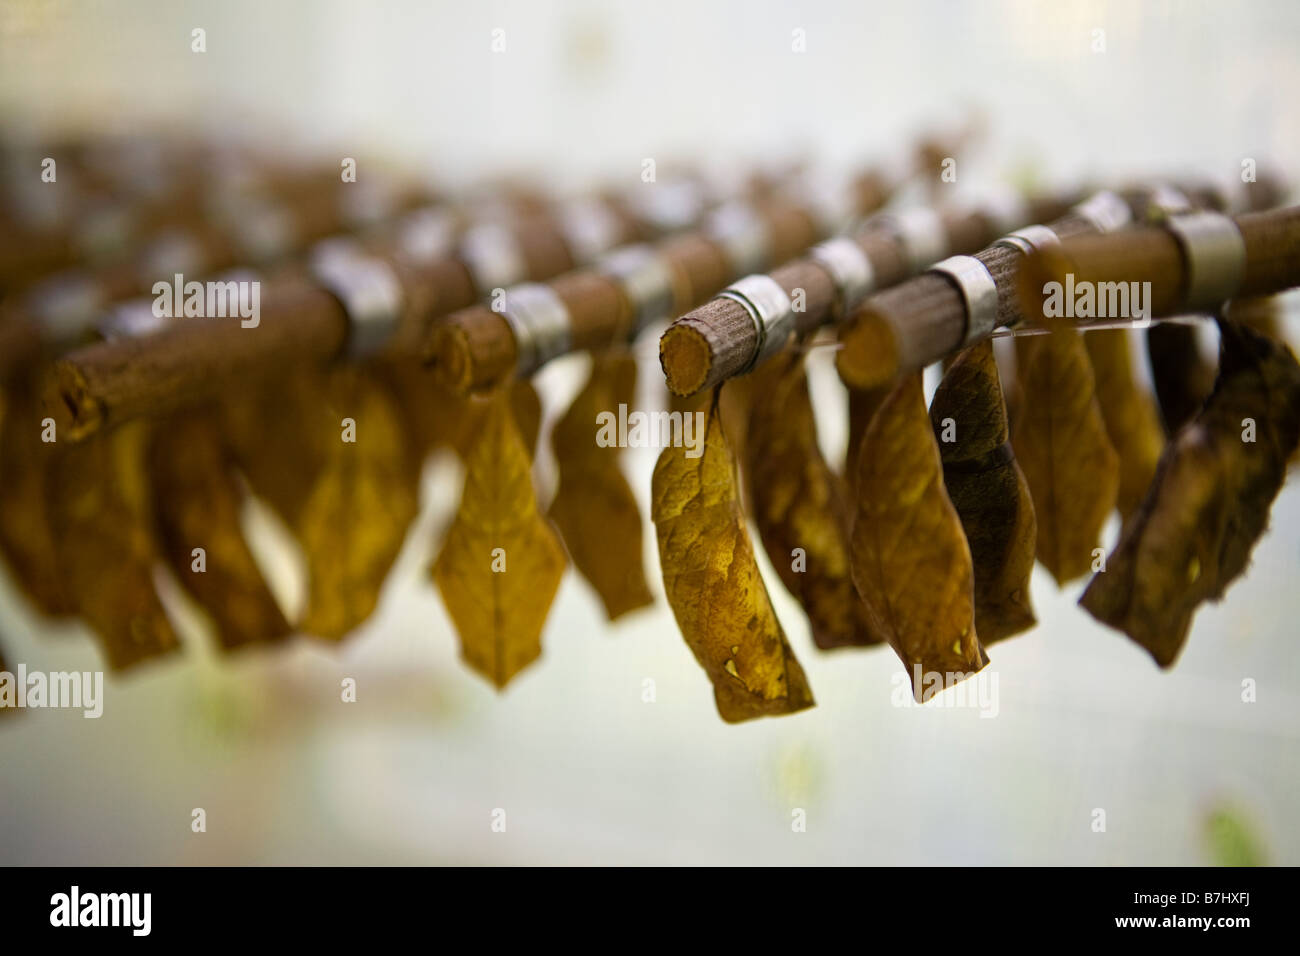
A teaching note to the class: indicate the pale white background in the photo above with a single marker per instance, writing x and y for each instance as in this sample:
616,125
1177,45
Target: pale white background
584,769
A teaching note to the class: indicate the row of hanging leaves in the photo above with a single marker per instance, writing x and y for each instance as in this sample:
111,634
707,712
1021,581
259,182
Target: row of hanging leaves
925,540
929,539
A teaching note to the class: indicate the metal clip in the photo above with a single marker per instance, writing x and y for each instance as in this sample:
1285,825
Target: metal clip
770,308
977,289
1215,255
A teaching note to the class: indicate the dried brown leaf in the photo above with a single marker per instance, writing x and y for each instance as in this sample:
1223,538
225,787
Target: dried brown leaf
280,432
911,563
989,491
501,563
197,504
713,585
863,404
800,505
594,507
1132,420
28,469
1061,443
1209,503
106,547
365,498
1181,375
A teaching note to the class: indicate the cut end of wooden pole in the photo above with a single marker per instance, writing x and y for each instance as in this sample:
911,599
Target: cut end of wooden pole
68,400
868,356
448,351
686,357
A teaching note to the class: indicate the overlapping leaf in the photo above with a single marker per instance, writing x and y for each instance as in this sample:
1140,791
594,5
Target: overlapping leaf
989,491
1182,376
713,585
103,527
197,504
28,468
799,505
1061,443
911,563
362,503
594,507
280,432
1209,503
1132,421
501,563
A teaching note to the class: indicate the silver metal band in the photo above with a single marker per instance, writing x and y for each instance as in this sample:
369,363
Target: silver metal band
828,198
646,281
770,308
590,228
670,205
979,291
1105,210
264,232
493,257
540,322
848,267
1215,255
175,251
426,235
367,287
741,231
1030,238
920,232
1166,201
132,320
66,304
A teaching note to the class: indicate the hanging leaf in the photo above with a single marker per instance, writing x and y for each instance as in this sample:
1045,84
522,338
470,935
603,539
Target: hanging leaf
911,563
29,466
280,432
1210,500
1061,443
1182,376
197,504
525,408
863,403
1131,418
501,563
356,516
713,585
594,507
106,547
800,506
986,486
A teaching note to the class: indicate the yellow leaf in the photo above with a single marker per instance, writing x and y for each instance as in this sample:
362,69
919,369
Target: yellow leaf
713,585
594,507
1132,421
799,505
106,547
1061,443
29,468
501,563
911,564
986,486
280,432
1193,534
197,504
356,516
